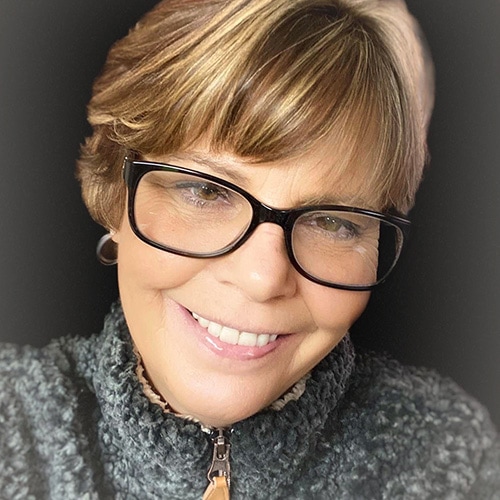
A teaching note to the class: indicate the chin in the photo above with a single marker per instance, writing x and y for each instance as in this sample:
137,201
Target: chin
221,404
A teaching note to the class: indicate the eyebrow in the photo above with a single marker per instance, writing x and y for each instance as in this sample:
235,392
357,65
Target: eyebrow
216,166
345,200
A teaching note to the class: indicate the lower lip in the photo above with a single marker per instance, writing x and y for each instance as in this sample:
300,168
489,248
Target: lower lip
224,350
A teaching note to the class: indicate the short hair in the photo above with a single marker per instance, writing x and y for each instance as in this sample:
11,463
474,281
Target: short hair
264,80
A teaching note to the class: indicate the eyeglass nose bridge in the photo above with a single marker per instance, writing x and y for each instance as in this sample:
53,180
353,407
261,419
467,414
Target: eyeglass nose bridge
264,213
272,215
283,218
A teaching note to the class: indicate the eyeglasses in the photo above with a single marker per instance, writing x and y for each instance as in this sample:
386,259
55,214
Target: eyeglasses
195,214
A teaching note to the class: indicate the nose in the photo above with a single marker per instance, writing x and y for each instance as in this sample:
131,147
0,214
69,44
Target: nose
260,268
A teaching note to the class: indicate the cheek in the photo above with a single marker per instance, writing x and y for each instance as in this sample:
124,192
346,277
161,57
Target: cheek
147,270
144,274
334,310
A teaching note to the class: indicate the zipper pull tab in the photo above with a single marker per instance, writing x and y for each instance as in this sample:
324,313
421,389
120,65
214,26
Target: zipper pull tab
219,473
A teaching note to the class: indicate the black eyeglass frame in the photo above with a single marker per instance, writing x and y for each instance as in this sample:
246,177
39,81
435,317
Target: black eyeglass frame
134,170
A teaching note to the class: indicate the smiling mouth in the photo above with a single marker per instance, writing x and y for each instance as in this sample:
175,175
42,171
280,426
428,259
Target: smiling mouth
233,336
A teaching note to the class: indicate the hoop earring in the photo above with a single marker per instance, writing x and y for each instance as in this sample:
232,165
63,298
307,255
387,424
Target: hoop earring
106,250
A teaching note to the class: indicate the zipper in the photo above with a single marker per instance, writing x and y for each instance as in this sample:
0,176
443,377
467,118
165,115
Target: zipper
220,459
219,473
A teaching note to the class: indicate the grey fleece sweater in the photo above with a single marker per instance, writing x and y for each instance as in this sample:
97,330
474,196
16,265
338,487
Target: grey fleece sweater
76,424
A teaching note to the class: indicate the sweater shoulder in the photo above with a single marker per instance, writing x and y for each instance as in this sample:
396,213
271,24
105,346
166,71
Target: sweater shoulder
44,398
387,386
62,357
417,426
38,381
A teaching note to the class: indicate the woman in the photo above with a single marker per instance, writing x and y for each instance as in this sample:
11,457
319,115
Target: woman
253,162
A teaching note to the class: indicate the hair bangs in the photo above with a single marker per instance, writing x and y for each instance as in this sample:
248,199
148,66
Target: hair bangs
308,78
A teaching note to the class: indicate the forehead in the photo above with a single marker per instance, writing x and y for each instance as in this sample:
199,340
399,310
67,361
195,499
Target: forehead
333,172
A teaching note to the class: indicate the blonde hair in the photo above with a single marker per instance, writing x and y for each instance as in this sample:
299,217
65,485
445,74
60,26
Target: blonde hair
264,80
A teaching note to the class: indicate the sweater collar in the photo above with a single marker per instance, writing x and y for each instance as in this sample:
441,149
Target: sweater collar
146,451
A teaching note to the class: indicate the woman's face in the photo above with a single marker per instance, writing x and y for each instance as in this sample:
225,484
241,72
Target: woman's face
254,289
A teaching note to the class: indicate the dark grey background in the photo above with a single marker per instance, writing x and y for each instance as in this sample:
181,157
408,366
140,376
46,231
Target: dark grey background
440,310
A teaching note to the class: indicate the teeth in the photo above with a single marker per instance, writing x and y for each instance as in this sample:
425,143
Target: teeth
249,339
203,322
233,336
227,335
214,329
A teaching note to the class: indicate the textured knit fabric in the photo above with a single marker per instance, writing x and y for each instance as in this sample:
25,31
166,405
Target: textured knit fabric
75,424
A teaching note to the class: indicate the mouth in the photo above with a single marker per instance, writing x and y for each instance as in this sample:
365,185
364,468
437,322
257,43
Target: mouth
232,336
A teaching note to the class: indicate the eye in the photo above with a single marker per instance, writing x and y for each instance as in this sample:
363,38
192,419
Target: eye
329,223
341,227
330,226
333,225
208,192
201,193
